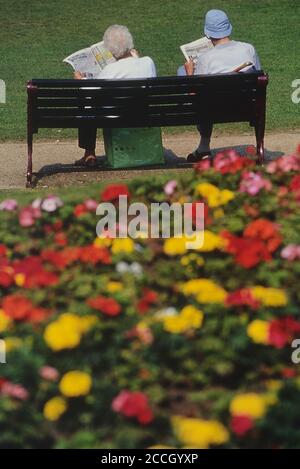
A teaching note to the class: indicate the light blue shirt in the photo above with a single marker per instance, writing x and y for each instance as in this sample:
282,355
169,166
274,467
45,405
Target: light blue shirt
224,58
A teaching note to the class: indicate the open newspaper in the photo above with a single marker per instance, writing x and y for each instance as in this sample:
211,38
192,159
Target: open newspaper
90,61
196,48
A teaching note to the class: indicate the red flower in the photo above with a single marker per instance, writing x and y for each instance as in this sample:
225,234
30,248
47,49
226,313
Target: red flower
20,308
6,280
39,314
17,307
133,404
295,183
248,252
241,424
266,231
149,298
242,297
113,191
3,250
231,162
61,239
282,331
93,255
192,213
108,306
34,272
288,373
61,259
80,210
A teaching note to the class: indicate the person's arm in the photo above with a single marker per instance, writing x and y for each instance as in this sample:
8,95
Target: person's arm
190,67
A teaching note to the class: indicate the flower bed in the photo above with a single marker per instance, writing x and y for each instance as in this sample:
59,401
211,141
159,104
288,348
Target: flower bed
119,343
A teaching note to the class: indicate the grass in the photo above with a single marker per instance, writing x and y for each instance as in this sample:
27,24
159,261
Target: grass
36,36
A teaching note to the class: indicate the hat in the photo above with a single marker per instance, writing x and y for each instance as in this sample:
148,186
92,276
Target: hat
217,24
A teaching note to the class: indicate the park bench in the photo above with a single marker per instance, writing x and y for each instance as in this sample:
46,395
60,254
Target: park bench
151,102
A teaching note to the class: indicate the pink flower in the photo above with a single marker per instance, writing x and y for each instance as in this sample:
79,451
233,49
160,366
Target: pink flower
51,203
170,187
284,164
49,373
91,205
15,391
9,205
28,215
291,252
252,183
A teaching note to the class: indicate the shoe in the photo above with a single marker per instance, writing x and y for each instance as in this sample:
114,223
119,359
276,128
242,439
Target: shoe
198,156
88,161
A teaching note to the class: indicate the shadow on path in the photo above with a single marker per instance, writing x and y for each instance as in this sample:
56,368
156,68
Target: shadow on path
172,161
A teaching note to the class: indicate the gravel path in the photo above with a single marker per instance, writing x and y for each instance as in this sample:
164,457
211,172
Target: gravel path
53,160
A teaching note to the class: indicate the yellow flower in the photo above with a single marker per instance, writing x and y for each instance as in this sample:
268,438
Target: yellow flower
175,246
67,330
189,318
87,322
270,398
250,404
59,336
198,433
205,291
212,242
75,384
5,321
193,257
102,242
219,213
121,245
113,287
272,297
13,343
55,408
258,331
19,279
214,196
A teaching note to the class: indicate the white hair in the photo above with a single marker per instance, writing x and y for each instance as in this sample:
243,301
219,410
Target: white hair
118,40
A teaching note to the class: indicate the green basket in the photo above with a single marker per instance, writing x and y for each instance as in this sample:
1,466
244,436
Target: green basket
128,148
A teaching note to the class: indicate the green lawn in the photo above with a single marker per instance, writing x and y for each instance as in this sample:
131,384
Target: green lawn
35,36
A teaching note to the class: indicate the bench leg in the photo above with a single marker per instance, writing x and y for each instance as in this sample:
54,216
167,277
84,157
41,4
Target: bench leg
29,161
260,147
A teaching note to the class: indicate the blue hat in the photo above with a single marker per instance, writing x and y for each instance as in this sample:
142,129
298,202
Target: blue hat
217,24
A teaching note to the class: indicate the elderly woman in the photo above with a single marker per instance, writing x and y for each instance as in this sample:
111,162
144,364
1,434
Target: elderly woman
118,40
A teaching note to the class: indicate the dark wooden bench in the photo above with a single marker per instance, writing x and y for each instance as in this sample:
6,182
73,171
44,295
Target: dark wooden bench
154,102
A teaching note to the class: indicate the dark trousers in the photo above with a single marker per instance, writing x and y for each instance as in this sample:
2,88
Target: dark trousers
205,129
87,136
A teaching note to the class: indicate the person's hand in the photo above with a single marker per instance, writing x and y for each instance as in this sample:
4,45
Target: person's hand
79,76
189,67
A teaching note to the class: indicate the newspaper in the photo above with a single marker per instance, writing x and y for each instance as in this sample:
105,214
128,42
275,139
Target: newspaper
196,48
90,61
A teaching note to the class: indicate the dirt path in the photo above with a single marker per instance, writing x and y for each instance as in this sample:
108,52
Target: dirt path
53,160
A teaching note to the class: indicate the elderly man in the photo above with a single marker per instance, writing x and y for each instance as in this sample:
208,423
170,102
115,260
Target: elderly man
118,40
226,56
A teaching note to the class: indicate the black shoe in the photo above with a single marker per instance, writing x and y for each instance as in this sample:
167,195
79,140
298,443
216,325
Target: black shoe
198,156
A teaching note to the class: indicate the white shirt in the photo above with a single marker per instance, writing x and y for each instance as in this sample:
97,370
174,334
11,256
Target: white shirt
131,67
224,58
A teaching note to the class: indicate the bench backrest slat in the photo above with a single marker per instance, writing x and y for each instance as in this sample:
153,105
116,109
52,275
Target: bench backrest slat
161,101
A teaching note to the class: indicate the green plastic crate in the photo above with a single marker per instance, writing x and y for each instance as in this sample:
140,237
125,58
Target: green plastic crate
127,148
